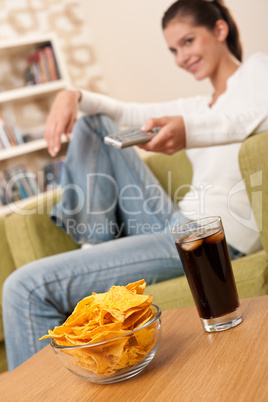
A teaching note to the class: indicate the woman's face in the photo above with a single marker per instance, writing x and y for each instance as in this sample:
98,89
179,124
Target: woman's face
196,49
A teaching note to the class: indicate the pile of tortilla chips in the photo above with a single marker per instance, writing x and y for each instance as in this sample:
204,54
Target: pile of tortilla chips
102,317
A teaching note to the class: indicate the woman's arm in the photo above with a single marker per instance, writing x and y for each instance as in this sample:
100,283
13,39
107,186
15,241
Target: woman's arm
63,113
61,119
126,113
194,131
218,129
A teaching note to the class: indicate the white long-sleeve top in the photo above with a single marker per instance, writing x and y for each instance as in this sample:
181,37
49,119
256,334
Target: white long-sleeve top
213,139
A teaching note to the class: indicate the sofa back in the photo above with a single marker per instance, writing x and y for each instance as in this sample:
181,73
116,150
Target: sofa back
174,172
253,160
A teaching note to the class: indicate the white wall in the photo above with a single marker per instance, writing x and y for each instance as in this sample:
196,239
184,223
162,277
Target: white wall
133,55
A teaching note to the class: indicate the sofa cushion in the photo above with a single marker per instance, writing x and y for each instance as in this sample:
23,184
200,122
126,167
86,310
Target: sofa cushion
3,360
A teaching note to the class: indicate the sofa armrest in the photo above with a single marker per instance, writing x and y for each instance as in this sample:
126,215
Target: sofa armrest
7,266
251,274
254,169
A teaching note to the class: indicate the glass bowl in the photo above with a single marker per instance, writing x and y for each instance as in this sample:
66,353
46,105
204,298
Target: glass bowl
116,359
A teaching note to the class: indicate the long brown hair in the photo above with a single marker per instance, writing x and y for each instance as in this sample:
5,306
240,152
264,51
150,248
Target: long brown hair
206,13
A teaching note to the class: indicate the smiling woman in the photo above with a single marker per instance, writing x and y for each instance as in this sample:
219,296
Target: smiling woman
143,51
207,14
206,41
41,294
201,53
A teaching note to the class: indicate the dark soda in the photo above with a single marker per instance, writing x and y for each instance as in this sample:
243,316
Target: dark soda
209,272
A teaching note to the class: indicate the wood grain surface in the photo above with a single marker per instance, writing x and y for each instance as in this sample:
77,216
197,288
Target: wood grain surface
190,365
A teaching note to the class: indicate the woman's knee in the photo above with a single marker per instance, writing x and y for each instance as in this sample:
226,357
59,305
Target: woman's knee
99,124
11,289
18,285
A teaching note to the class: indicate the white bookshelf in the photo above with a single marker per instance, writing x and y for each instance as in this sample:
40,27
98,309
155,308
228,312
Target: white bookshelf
20,206
32,155
24,149
31,92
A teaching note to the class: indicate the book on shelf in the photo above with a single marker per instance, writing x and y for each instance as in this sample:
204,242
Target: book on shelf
42,66
3,136
17,183
12,188
52,64
13,127
2,189
27,181
33,134
10,133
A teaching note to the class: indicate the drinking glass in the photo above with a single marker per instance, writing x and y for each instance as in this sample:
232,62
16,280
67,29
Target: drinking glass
204,254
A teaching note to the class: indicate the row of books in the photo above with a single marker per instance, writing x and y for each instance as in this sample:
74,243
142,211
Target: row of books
10,133
17,183
42,66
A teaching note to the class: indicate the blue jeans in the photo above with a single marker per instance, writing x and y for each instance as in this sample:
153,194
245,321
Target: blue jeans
112,200
108,193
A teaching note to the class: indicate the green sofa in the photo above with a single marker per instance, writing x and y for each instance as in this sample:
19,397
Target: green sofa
29,236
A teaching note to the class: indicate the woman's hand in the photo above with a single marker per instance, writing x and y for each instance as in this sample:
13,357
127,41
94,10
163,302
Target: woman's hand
61,119
171,137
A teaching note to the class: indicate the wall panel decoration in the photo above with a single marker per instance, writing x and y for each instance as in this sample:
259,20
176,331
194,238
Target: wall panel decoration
65,19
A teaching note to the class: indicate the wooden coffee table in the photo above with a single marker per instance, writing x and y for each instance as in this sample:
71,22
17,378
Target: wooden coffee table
190,365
